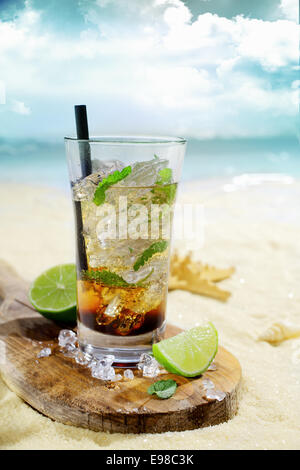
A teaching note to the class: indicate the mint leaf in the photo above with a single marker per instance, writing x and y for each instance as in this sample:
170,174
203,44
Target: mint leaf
163,388
112,279
165,176
164,192
156,247
106,277
115,177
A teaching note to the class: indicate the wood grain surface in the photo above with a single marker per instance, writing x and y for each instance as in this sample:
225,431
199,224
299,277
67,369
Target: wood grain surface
64,391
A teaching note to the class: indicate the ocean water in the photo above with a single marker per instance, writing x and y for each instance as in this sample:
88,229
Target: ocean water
45,162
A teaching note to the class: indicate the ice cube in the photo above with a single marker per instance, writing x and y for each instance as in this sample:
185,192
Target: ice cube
95,366
113,307
102,368
67,339
103,319
151,370
92,363
108,374
103,373
132,277
85,189
45,352
212,367
117,378
128,321
215,395
83,358
112,252
208,384
105,167
145,173
152,296
148,365
128,374
107,361
145,359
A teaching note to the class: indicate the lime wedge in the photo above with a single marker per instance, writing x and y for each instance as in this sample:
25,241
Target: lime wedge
189,353
53,293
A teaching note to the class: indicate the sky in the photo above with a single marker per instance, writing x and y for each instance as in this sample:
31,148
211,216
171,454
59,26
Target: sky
199,68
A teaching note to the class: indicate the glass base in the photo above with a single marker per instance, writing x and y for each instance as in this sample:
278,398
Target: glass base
126,349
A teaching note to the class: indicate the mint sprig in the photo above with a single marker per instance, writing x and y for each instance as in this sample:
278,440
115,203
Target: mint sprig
115,177
106,277
156,247
112,279
163,388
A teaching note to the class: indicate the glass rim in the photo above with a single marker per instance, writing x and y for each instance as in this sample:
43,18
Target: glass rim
132,140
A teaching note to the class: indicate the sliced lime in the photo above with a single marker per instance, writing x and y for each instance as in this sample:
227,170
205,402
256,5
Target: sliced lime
189,353
53,293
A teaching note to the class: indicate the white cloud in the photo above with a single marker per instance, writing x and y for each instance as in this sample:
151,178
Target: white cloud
208,77
19,107
177,15
290,9
271,44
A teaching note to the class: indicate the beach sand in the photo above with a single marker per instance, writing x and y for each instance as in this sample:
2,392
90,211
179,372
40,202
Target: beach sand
254,228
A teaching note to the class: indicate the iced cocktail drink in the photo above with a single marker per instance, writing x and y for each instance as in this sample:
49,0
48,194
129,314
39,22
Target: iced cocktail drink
123,213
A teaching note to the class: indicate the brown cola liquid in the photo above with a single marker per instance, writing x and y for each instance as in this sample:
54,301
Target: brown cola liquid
93,300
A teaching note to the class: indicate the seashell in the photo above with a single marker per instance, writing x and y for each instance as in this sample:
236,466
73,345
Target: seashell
279,332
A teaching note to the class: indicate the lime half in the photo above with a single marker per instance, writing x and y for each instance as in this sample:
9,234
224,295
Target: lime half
189,353
53,293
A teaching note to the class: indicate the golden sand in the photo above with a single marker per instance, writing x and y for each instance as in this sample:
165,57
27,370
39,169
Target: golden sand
254,229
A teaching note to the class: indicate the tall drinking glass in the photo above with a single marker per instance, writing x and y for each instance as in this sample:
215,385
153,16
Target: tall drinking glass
124,207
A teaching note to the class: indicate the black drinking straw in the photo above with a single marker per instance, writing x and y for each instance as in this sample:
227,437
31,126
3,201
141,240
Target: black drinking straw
82,130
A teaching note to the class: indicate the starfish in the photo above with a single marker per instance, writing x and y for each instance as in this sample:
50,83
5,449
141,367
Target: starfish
195,277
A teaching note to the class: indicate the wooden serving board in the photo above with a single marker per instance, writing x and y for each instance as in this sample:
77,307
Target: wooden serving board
65,391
